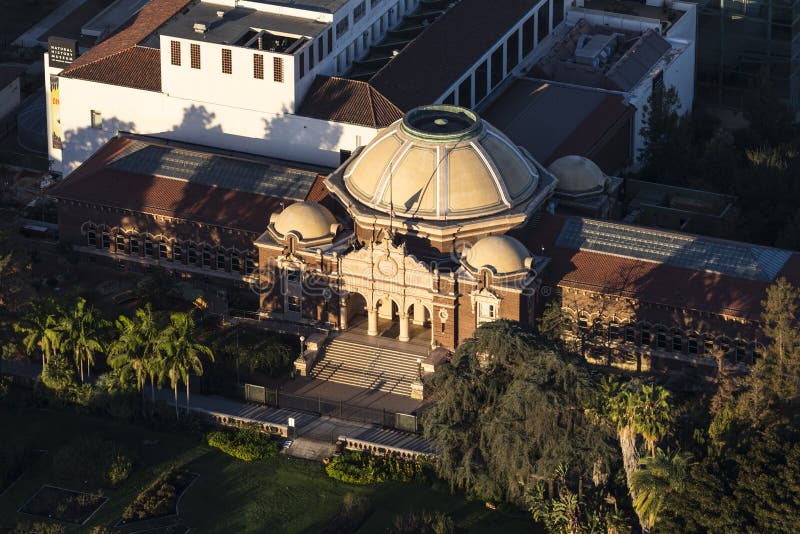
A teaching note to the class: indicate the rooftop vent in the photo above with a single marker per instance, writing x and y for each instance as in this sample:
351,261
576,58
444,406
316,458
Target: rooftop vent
220,14
200,27
595,50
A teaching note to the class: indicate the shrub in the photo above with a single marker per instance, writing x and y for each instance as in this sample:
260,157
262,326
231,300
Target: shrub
93,460
364,468
38,527
423,523
159,498
245,444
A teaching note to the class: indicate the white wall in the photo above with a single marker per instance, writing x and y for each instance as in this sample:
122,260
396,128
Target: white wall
276,135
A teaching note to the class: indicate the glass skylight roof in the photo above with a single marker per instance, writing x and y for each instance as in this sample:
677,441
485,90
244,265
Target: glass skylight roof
690,252
214,170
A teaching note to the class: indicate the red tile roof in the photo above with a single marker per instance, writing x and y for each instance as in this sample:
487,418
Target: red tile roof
95,183
651,282
137,67
351,101
143,66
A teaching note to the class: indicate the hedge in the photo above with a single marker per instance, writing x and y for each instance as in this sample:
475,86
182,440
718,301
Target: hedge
244,444
364,468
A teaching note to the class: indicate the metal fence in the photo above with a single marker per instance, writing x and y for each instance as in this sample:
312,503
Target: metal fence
340,409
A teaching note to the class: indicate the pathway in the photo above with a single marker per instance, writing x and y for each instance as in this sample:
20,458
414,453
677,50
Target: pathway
313,433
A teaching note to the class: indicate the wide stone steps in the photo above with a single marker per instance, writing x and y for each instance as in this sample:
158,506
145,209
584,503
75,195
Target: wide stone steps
366,366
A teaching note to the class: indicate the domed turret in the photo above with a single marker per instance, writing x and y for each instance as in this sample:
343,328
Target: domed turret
441,163
578,175
501,254
308,222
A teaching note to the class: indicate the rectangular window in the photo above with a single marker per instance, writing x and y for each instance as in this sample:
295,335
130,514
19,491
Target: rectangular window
97,120
250,265
106,241
311,56
148,248
544,21
630,334
277,65
207,258
227,61
162,251
677,343
481,82
194,52
301,64
91,238
512,51
613,331
134,243
192,255
177,253
330,40
693,346
558,12
709,347
119,243
258,66
236,264
528,35
175,53
221,261
465,93
646,339
497,67
359,11
661,340
342,26
292,276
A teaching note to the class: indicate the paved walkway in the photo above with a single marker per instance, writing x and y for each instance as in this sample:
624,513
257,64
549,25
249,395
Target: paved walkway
31,37
312,431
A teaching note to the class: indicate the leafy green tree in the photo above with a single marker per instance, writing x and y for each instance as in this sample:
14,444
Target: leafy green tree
82,333
657,476
39,328
553,322
508,411
136,347
667,153
177,344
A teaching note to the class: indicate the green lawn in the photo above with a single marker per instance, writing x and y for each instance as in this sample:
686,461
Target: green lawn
278,495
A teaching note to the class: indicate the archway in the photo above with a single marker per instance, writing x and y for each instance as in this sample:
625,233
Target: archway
388,317
420,331
353,311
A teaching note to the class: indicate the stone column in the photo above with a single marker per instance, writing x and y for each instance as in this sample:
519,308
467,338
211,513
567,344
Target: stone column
372,322
403,328
343,314
419,314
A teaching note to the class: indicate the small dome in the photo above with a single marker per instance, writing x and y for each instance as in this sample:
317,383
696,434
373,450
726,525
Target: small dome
501,254
308,220
440,163
577,174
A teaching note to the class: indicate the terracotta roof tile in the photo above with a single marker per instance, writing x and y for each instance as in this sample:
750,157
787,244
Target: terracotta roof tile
351,101
646,281
96,183
137,67
149,19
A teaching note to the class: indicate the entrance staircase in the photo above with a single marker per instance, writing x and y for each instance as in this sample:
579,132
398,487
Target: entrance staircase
378,368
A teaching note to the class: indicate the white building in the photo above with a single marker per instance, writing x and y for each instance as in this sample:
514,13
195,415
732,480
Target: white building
307,81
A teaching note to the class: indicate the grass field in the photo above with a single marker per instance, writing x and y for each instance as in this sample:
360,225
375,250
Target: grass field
277,495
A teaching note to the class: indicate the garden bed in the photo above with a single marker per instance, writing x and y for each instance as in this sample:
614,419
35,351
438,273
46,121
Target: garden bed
65,505
160,499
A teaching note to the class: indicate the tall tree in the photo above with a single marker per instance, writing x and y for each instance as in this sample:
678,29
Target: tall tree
39,328
657,476
82,333
510,410
136,347
181,353
667,153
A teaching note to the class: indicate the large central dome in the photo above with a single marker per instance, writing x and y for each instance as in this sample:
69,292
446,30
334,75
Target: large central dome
440,163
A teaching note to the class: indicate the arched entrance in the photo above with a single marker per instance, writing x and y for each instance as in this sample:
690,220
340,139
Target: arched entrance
420,330
352,310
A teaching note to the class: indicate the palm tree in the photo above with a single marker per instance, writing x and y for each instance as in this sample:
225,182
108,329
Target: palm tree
39,329
181,353
653,416
636,410
127,350
82,334
657,476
